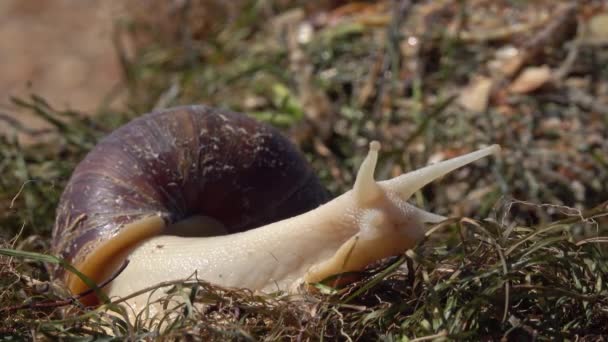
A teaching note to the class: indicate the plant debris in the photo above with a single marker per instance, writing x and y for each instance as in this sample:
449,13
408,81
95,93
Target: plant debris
524,256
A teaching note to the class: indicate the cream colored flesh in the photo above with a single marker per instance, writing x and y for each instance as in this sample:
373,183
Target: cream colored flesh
371,222
269,258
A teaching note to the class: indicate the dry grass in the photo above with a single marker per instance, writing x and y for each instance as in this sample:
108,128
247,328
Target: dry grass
532,265
495,281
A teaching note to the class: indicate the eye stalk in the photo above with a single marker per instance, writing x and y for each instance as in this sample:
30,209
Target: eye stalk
365,189
385,223
411,182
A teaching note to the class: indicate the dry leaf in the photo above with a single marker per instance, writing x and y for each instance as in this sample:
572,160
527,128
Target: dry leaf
598,28
531,79
513,64
475,97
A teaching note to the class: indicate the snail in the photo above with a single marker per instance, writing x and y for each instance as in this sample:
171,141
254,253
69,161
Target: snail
197,190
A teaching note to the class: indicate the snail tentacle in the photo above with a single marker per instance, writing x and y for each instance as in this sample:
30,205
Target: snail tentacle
407,184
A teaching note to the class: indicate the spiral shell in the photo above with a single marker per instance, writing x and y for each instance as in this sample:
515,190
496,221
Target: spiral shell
175,163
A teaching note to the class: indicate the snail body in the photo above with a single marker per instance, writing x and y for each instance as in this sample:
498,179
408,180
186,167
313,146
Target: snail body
279,230
188,171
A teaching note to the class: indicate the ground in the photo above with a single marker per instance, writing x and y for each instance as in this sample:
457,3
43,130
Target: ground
523,256
61,50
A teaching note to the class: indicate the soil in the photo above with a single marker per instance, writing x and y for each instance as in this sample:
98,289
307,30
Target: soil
61,50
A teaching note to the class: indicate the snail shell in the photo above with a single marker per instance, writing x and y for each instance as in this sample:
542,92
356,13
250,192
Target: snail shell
174,164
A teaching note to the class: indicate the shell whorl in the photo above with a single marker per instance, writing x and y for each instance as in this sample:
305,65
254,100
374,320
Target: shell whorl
179,162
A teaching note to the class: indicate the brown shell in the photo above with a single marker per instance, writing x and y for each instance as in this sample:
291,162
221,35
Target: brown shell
180,162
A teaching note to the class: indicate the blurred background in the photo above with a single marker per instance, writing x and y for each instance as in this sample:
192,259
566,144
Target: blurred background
59,49
429,79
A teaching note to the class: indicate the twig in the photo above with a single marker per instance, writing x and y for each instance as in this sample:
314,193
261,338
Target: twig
107,281
18,126
566,66
391,52
498,34
428,118
440,334
553,33
590,298
19,192
64,302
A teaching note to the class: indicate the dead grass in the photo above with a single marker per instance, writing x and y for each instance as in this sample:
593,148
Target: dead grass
532,264
497,280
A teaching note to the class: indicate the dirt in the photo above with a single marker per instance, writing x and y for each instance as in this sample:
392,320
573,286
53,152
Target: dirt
61,50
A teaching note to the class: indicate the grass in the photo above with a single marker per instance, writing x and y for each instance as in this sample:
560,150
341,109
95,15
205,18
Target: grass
496,280
529,264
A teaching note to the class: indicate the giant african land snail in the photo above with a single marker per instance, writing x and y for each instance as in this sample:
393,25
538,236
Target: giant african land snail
195,170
